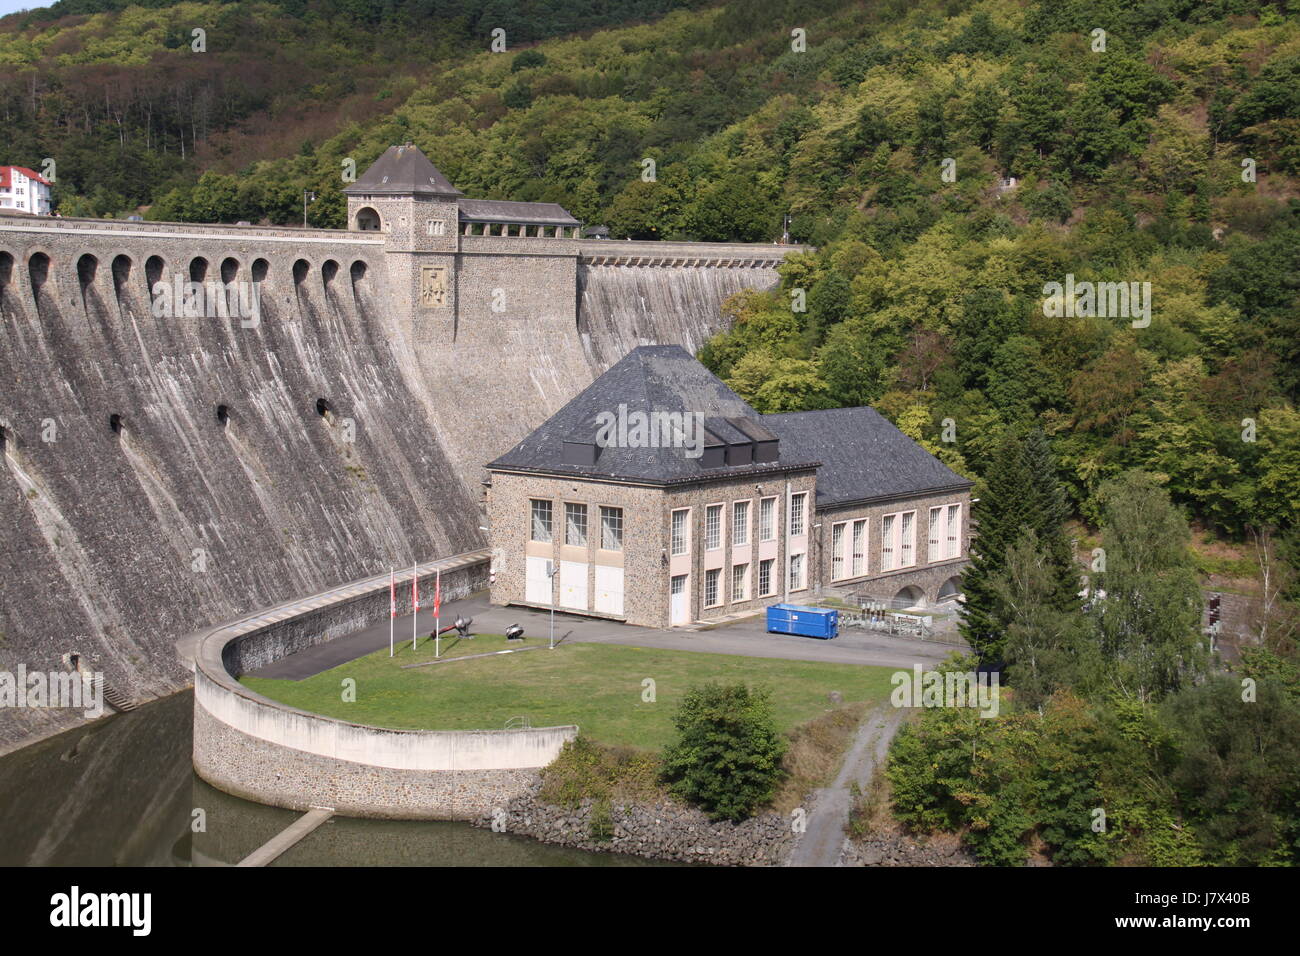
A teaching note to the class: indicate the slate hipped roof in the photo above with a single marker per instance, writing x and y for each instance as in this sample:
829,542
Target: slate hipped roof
403,170
864,456
406,171
650,378
858,454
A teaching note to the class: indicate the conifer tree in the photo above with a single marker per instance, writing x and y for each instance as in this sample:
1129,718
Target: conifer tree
1022,494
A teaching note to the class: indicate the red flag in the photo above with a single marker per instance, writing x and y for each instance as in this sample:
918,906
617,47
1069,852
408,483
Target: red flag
437,594
392,593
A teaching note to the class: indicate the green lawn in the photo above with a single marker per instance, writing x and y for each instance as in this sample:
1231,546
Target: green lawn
596,686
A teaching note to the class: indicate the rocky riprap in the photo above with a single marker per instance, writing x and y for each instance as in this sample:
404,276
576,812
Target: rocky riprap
662,831
903,850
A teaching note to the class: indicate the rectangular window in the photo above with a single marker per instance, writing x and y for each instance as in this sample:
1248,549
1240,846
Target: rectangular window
739,582
575,525
937,542
541,520
837,551
907,539
681,530
954,531
796,513
711,578
887,542
767,519
712,527
437,227
796,572
611,528
740,523
765,577
860,547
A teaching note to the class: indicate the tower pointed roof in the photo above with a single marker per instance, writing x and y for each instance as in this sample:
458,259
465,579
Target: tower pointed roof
402,171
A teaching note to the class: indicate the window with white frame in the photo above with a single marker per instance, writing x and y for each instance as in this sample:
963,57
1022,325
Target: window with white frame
765,584
611,528
954,531
712,527
740,523
575,525
767,519
937,535
898,540
541,520
711,578
739,582
859,547
907,539
837,550
680,538
796,513
796,572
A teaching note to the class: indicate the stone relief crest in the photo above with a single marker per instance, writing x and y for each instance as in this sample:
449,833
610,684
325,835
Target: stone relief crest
433,286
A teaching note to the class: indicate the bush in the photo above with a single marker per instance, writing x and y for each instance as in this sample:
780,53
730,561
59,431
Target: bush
727,758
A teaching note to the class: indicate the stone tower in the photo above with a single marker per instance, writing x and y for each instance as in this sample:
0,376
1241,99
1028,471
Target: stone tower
406,198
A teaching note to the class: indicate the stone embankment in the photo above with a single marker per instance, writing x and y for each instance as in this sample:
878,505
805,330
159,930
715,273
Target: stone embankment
903,850
662,831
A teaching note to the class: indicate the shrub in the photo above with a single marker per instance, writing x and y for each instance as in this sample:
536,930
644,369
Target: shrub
727,758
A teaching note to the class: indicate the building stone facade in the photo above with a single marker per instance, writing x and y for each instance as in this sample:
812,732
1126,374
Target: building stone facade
758,507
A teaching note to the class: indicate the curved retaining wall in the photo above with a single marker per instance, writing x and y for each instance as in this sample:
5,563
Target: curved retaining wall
265,751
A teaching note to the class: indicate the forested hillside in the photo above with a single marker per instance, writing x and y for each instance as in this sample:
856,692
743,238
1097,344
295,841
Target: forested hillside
949,161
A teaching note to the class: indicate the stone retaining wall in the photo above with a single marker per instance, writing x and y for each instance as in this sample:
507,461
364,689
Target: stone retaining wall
257,748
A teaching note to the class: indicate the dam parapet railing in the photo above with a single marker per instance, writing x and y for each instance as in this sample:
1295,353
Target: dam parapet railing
68,225
262,750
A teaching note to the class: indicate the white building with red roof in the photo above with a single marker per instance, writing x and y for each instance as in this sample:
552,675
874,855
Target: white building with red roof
24,190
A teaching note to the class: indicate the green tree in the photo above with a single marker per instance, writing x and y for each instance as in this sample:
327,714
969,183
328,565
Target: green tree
1022,494
1146,641
727,755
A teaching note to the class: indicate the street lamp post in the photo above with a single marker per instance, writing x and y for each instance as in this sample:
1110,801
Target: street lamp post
555,569
307,196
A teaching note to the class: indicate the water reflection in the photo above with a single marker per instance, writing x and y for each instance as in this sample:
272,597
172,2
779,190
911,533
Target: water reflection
122,792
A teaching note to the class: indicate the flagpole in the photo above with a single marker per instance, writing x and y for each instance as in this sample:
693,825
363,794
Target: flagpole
392,607
437,611
415,606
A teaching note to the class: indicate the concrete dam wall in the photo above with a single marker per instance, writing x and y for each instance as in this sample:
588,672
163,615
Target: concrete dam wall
161,474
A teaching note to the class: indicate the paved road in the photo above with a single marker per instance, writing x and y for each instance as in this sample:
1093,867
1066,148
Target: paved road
821,842
746,638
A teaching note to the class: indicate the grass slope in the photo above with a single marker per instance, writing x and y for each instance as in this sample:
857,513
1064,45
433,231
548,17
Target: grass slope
596,686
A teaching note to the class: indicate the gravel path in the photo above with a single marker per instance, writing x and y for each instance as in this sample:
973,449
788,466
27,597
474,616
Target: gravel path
821,842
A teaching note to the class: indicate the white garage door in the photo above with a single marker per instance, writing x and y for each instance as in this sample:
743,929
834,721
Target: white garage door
537,586
609,590
573,584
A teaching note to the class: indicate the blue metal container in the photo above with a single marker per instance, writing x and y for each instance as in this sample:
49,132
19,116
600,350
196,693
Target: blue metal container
805,621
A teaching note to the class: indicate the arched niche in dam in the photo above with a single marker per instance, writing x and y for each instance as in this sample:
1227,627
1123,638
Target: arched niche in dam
300,269
261,269
154,267
198,269
38,273
357,272
6,276
121,269
229,269
87,266
328,270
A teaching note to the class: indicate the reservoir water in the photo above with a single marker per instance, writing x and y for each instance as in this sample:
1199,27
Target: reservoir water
122,792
